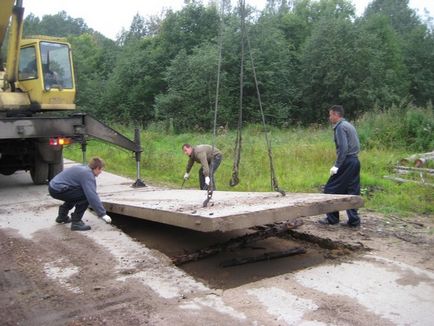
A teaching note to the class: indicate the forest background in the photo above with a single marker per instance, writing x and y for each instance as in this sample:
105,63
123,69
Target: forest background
161,75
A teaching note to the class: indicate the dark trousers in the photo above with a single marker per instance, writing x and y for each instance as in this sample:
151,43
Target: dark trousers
72,198
345,182
212,168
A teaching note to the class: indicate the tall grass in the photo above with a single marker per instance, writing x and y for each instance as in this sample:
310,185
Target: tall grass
302,158
400,127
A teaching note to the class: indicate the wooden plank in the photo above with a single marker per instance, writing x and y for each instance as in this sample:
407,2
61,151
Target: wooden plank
234,243
407,169
402,180
266,256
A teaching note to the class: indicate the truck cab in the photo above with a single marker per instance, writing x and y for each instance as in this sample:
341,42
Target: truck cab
45,73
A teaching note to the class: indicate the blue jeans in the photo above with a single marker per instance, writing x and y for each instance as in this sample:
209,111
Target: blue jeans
345,182
73,197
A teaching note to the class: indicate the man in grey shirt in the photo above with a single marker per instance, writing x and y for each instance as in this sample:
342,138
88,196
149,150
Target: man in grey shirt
76,186
345,173
209,157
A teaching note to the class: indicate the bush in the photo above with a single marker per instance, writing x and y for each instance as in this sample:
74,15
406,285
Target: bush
419,128
404,127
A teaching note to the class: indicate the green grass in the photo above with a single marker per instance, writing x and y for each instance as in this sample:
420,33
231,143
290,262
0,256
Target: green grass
302,159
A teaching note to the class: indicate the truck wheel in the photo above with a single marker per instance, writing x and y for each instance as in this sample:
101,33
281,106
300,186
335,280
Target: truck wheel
7,171
39,171
54,169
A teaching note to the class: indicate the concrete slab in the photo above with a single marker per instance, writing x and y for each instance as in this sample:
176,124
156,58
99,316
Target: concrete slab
226,211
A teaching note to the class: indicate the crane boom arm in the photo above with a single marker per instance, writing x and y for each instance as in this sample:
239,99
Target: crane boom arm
5,15
15,34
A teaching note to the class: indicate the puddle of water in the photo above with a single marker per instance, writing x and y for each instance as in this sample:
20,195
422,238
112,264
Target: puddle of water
174,241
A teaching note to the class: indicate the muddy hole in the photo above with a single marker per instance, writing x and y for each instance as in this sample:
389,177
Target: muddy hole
174,242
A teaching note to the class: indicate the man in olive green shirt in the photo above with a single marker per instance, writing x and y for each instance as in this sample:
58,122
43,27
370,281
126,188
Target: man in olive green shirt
210,159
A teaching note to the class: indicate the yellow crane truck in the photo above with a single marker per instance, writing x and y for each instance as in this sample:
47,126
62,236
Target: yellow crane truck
37,94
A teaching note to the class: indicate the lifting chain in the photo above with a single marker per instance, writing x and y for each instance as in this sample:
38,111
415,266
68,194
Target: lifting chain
237,151
210,189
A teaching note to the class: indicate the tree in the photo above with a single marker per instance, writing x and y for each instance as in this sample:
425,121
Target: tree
139,28
276,62
191,81
359,66
419,57
379,65
59,24
416,42
94,57
401,16
188,28
139,75
326,67
130,90
326,58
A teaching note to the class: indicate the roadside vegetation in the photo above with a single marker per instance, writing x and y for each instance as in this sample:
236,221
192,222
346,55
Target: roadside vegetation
302,158
161,73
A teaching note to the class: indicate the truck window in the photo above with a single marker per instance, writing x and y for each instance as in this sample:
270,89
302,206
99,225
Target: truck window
56,65
27,64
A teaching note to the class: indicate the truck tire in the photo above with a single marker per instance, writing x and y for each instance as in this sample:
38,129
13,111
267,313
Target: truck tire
39,171
54,169
8,171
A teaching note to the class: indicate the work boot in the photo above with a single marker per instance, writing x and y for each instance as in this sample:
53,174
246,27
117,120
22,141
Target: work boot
351,226
63,217
79,226
64,220
326,221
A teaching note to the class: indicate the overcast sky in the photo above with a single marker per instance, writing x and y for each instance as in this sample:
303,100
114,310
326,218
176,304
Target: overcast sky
109,17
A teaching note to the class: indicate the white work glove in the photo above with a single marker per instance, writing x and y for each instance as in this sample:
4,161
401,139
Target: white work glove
186,176
207,181
334,170
107,219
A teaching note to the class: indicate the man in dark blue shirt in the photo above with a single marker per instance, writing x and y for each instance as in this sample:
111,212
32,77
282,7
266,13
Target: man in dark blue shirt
345,173
76,186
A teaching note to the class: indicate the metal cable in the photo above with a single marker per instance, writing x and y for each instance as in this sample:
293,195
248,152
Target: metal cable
210,189
274,184
237,150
